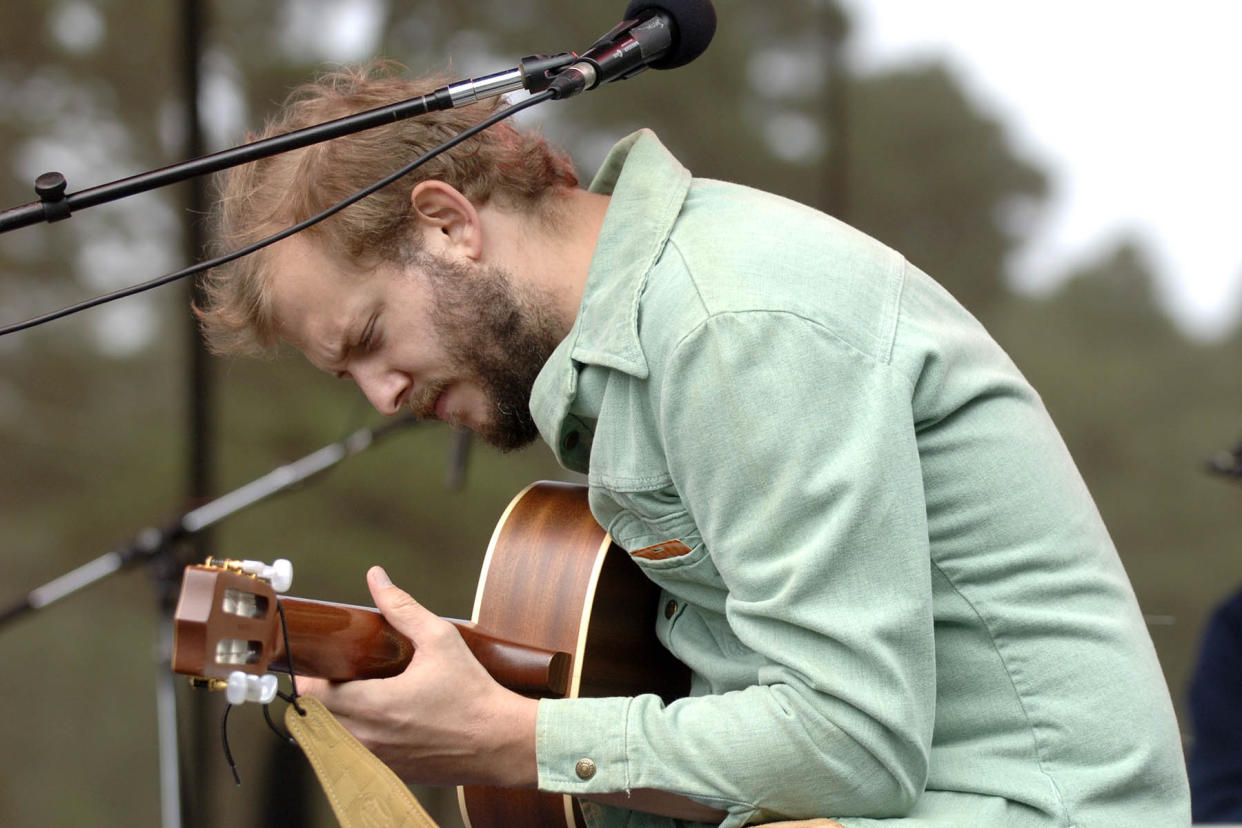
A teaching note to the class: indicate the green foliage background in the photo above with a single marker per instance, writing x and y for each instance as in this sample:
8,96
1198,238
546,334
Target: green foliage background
93,434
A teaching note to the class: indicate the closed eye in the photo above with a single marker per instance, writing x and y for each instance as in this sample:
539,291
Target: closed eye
370,337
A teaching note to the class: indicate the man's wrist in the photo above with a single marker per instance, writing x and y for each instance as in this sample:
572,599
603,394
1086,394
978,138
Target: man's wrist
511,743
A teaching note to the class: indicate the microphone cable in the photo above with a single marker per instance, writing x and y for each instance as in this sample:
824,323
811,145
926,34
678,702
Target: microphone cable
495,118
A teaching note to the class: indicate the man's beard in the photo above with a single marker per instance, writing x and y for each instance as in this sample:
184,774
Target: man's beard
499,338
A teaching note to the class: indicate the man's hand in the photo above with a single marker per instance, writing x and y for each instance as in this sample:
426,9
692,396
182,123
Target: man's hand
444,720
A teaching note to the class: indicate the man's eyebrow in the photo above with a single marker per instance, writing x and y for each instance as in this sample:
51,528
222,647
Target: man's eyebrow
354,328
337,352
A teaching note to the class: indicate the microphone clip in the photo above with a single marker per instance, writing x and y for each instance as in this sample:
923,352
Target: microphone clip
624,51
538,71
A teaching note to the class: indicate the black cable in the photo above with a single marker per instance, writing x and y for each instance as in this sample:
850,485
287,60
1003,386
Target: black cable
284,737
283,234
224,737
291,699
293,679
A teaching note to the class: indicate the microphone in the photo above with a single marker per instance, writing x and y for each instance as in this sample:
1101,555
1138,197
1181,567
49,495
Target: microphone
662,34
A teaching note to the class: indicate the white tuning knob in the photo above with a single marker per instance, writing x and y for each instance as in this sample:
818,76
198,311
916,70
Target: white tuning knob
243,687
279,574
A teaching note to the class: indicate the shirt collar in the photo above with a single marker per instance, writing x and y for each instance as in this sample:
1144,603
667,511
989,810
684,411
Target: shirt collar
648,187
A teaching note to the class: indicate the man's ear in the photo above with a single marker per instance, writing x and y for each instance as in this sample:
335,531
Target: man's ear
446,218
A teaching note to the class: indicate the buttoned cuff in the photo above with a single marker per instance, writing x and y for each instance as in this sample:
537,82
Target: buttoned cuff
580,745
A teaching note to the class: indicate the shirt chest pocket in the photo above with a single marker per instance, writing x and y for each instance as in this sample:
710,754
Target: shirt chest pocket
672,554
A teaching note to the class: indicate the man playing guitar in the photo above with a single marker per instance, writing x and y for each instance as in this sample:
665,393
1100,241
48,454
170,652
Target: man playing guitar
896,600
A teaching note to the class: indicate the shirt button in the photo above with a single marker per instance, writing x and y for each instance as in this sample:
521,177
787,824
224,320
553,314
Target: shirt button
670,609
585,768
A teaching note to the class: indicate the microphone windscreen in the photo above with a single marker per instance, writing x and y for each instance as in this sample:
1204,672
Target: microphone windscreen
694,25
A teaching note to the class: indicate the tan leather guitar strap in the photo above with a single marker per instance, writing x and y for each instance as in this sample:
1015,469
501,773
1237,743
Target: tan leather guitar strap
363,791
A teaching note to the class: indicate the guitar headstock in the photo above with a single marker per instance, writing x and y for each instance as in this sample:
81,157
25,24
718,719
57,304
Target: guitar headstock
226,619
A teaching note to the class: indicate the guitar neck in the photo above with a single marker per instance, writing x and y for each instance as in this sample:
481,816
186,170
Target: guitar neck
342,642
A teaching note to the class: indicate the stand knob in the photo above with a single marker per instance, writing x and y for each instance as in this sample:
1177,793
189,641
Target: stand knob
50,187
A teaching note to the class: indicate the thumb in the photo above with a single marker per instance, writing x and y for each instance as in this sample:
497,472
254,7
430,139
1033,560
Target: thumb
405,614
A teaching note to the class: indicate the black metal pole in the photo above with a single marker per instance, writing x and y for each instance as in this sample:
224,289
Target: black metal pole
201,480
200,462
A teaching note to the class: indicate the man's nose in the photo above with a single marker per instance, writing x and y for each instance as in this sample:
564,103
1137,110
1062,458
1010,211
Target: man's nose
384,388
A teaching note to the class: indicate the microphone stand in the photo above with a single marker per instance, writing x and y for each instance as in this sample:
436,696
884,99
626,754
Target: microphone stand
151,542
533,73
155,545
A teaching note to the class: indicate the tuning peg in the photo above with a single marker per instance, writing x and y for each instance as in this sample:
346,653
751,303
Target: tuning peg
279,574
243,687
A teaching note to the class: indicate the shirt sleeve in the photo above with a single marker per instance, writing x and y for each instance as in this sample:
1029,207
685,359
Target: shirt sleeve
795,454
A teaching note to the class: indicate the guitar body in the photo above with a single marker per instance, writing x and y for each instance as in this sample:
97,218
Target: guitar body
552,579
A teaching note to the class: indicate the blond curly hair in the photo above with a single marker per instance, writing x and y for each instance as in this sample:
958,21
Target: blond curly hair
515,168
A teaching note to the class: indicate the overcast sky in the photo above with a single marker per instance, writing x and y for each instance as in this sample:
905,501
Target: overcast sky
1133,107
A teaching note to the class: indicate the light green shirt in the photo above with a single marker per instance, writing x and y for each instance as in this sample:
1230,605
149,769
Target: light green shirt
900,600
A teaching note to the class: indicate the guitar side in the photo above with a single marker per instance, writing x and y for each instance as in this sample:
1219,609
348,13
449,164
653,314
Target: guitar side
553,579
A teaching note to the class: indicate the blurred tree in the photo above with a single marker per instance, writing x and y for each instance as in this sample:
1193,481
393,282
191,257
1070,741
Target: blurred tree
1117,291
938,179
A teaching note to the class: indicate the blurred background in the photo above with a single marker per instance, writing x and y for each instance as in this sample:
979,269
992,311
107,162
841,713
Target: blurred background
1060,171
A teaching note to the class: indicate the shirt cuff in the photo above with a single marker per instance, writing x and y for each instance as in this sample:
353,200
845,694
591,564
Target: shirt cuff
580,745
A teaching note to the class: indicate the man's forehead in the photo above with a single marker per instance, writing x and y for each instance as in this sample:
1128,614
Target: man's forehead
311,299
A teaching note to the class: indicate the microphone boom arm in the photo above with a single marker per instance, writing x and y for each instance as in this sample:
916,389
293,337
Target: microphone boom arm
533,73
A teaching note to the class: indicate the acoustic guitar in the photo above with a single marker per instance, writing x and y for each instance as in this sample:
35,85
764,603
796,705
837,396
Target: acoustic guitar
560,611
